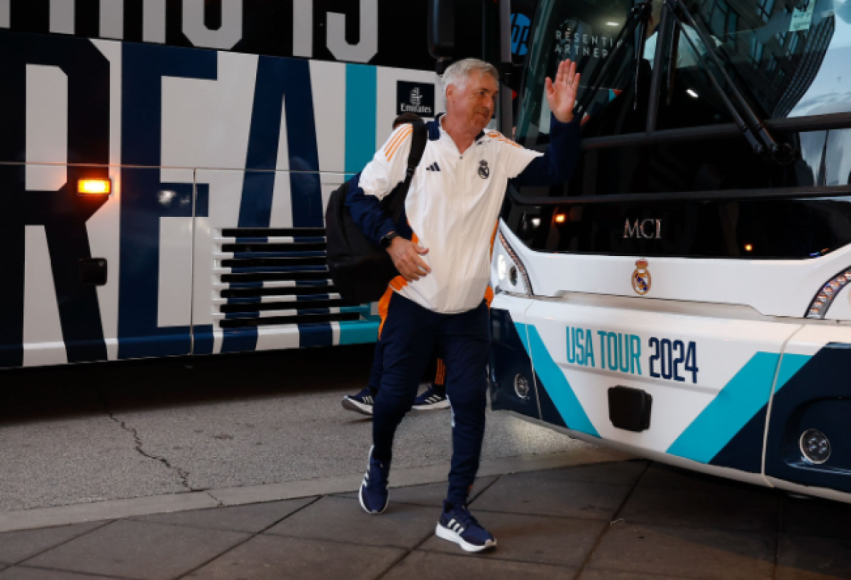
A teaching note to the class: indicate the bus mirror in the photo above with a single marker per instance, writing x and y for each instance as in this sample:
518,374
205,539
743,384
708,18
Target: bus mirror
441,30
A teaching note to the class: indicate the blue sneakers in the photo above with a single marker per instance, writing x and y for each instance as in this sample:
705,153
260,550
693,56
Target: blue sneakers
360,403
430,400
373,490
458,525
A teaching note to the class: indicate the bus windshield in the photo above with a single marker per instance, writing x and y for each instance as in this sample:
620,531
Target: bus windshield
787,59
583,31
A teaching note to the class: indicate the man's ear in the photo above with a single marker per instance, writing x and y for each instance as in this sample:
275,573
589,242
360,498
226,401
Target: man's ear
450,93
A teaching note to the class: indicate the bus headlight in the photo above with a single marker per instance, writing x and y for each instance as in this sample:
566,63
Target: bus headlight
511,275
821,303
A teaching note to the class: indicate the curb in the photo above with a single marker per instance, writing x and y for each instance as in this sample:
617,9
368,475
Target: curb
234,496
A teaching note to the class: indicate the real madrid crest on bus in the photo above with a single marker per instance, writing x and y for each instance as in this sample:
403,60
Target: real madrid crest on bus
641,278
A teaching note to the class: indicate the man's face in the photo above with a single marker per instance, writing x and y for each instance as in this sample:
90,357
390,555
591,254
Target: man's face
475,103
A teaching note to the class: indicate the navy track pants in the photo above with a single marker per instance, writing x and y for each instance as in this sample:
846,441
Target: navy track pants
436,372
410,335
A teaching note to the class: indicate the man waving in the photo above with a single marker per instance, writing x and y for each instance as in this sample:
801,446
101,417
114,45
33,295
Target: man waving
442,249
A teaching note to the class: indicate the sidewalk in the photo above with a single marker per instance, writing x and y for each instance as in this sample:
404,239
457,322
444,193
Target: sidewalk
620,520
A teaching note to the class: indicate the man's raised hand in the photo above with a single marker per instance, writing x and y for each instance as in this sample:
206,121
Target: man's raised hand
561,94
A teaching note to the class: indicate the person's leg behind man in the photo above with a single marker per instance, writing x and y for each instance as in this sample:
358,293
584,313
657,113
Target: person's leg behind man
434,397
465,341
407,338
364,401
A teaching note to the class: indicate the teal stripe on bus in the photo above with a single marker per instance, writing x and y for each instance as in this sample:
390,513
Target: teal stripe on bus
361,95
731,409
359,331
555,383
790,364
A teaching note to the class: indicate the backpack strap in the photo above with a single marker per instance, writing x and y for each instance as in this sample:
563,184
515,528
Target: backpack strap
417,147
395,203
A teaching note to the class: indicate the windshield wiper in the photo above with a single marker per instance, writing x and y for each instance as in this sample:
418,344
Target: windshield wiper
644,9
751,125
639,14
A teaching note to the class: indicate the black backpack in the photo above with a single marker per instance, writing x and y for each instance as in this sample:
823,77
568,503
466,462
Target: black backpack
361,270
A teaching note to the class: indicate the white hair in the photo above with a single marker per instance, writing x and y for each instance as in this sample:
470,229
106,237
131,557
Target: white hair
458,73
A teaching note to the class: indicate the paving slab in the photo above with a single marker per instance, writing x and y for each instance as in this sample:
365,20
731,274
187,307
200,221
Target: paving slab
18,546
808,558
545,540
343,520
23,573
434,566
251,518
613,473
143,550
685,553
105,510
574,499
431,495
815,517
750,510
266,557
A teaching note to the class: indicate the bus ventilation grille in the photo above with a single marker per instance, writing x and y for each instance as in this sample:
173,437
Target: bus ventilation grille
275,276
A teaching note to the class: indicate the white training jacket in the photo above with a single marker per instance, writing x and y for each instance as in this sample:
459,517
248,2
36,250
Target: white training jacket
454,202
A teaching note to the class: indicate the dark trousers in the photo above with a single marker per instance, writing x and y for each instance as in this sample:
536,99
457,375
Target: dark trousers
377,368
409,337
432,372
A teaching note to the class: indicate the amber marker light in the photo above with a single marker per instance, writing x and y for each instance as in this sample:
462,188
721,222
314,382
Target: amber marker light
748,248
560,218
94,187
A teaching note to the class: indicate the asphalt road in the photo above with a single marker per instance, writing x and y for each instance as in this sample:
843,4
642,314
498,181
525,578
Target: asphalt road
90,433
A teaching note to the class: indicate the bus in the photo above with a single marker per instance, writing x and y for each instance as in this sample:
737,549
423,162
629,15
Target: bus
165,165
685,296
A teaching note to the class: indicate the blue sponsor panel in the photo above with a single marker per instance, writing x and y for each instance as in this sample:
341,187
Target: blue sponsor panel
520,27
512,378
812,394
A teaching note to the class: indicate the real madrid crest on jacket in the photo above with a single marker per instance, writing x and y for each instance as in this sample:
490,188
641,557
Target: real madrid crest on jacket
484,171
